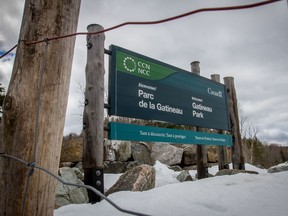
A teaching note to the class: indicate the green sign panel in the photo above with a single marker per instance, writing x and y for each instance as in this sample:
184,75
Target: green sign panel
130,132
144,88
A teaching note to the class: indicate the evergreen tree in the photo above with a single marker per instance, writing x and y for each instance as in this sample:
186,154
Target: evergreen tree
259,153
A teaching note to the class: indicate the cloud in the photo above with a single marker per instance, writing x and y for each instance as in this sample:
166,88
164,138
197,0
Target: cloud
5,72
7,57
11,14
274,136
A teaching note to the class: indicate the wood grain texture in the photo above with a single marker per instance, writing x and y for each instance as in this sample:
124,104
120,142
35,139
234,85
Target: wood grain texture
93,118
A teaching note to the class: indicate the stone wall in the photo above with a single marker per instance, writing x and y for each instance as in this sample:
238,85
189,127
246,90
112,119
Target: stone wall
122,155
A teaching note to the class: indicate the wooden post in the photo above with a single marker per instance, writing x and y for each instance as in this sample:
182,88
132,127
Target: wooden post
237,153
221,150
202,167
40,20
93,118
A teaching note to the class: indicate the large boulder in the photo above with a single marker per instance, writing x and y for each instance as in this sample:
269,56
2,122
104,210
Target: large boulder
141,153
166,154
140,178
69,194
122,150
189,155
278,168
72,150
212,155
117,151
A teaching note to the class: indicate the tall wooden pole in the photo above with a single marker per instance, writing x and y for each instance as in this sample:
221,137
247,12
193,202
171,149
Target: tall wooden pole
202,167
41,19
93,118
237,153
221,150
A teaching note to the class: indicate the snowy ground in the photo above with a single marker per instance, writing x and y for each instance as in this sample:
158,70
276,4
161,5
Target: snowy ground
238,195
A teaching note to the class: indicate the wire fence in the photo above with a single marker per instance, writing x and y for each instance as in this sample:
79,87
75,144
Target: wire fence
32,166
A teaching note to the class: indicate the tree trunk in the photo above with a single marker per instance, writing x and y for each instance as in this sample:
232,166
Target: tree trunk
41,19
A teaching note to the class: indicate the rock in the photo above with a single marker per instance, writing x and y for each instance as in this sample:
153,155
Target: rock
78,173
193,167
118,166
233,172
166,154
139,178
278,168
69,194
72,150
117,151
109,153
66,164
141,153
61,201
189,155
212,155
122,151
184,176
176,168
79,166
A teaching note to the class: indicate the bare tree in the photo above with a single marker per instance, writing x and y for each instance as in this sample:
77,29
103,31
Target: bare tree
248,129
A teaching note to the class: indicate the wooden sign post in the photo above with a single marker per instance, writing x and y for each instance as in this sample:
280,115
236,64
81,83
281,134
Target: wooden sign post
202,167
93,117
237,153
221,150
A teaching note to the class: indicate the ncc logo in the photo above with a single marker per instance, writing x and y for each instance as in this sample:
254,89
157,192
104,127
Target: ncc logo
130,64
136,67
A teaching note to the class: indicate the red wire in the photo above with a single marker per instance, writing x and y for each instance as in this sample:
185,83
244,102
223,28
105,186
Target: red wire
152,22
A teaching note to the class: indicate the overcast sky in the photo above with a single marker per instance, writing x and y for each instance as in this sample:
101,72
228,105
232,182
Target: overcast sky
249,45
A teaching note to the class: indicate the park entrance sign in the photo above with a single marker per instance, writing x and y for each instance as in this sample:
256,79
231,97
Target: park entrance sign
144,88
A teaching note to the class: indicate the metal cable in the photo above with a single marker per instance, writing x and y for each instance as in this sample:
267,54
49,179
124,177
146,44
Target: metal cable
34,166
25,194
239,7
6,53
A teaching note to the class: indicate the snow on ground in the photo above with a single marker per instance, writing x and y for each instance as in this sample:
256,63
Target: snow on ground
110,179
280,165
236,195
